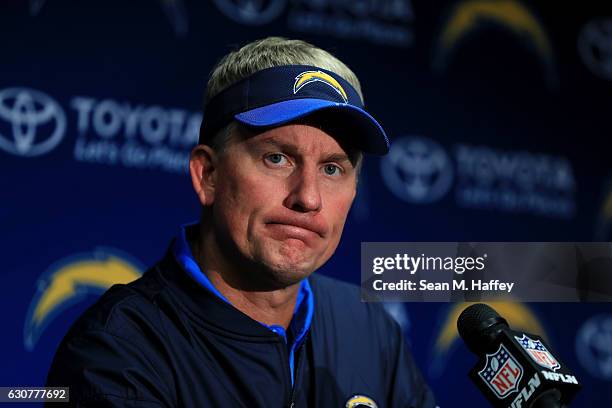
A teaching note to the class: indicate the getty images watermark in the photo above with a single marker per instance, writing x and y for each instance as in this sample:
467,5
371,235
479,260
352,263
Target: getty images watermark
486,271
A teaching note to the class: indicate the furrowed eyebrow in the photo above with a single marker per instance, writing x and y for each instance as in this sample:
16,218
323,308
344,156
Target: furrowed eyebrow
294,150
338,157
273,143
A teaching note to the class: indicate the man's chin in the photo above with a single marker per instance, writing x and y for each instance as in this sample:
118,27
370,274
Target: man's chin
290,255
285,273
286,264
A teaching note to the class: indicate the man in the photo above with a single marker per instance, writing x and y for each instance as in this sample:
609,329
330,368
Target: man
233,316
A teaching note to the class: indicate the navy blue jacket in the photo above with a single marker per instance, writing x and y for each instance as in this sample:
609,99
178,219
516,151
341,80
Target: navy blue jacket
165,341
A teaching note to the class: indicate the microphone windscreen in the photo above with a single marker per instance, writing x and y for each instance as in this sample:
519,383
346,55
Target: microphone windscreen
478,325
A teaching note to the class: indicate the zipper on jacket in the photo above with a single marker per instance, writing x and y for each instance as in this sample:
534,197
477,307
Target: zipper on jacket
299,350
287,370
296,366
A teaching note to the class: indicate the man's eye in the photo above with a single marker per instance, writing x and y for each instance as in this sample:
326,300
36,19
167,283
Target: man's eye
276,159
331,170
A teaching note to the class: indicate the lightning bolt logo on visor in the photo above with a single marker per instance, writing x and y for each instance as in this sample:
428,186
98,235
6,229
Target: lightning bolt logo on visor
68,281
309,77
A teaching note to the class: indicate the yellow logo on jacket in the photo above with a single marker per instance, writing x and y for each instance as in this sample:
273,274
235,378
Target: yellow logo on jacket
309,77
360,401
68,281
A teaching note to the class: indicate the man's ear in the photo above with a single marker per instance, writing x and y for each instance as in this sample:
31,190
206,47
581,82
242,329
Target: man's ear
203,169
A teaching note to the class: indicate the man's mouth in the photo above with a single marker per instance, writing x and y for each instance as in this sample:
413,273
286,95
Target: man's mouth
301,228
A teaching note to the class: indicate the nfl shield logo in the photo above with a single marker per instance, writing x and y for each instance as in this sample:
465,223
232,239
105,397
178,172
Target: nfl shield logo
502,373
538,352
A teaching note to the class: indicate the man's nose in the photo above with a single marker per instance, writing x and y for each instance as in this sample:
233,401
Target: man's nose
304,194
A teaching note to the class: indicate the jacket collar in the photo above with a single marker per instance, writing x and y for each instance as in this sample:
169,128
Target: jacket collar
203,297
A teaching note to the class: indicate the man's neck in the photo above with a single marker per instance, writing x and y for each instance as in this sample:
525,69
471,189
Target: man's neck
270,307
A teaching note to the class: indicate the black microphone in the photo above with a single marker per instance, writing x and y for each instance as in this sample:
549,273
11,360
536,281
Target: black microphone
515,369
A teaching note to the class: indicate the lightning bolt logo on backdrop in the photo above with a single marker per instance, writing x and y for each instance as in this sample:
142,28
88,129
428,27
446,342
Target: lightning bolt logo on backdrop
70,280
519,316
309,77
471,16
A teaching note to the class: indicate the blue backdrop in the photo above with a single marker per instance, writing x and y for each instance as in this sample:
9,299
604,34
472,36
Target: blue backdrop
498,110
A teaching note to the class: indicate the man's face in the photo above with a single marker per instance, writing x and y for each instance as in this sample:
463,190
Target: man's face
281,200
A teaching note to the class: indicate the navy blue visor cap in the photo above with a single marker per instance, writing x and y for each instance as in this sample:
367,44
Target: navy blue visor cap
280,95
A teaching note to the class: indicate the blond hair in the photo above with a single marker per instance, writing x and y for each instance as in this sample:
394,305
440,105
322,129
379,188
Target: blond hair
272,52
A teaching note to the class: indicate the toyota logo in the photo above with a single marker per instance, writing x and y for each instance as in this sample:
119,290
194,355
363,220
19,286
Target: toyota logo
595,47
31,123
594,346
417,170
